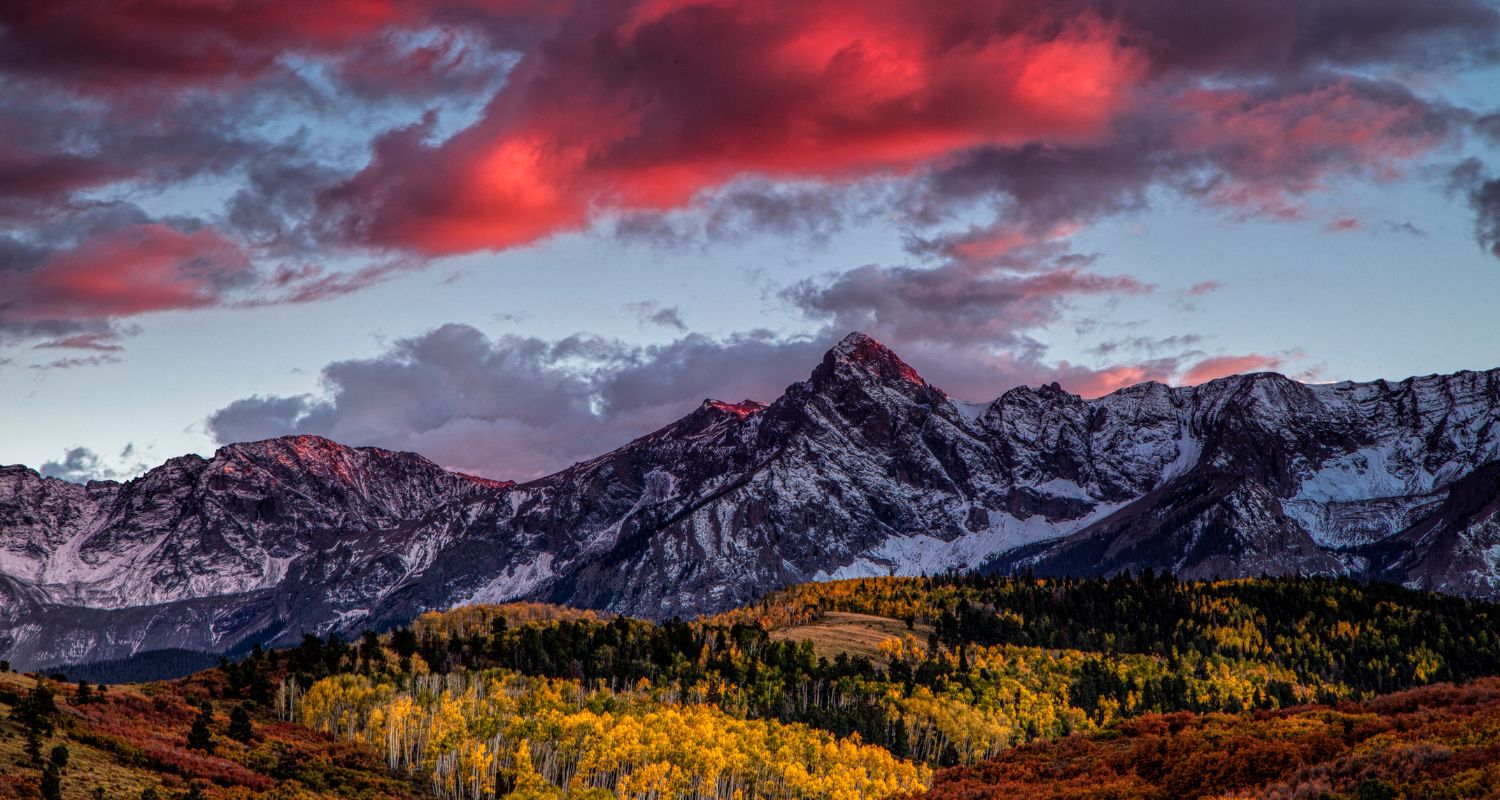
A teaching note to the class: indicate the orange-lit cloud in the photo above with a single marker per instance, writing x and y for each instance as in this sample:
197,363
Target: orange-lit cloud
1221,366
1272,147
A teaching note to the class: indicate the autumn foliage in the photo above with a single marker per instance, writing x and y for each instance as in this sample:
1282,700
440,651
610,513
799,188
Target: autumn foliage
1131,687
487,735
1435,742
971,666
134,738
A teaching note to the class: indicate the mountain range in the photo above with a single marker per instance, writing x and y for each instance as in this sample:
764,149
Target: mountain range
862,469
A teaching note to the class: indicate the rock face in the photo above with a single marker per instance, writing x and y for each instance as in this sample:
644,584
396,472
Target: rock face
863,469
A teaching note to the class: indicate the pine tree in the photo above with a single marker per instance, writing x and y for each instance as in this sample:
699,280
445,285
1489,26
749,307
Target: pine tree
369,650
200,737
35,713
51,783
240,729
404,642
33,747
59,757
37,710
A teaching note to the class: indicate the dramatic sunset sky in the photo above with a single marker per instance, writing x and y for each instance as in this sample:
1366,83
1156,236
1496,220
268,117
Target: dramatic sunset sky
509,235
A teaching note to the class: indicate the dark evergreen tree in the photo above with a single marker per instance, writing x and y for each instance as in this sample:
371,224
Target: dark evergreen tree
240,729
33,748
404,642
37,711
200,736
51,783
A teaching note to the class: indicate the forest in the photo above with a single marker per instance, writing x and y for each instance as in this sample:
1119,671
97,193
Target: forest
958,685
984,663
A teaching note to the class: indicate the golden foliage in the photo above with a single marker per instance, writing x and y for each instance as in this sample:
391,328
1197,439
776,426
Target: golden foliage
480,736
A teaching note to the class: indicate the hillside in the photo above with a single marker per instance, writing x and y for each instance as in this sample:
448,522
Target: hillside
836,633
1433,742
1125,687
132,741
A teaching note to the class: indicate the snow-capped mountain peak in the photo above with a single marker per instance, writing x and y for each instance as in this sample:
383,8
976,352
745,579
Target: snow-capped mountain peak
858,355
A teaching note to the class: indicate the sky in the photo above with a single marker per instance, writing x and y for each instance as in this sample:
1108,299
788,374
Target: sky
510,235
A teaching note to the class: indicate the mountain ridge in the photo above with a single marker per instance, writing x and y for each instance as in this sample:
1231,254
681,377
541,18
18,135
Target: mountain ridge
864,468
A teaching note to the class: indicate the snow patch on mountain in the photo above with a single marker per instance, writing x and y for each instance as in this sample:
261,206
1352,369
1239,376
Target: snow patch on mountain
517,581
924,554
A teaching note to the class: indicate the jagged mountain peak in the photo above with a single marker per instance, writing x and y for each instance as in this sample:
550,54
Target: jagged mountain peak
860,357
317,456
1045,393
480,480
305,448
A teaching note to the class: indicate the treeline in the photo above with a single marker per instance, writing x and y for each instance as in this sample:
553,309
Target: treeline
151,665
1371,638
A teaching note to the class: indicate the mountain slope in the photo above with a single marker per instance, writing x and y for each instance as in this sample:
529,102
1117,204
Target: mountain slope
863,469
203,553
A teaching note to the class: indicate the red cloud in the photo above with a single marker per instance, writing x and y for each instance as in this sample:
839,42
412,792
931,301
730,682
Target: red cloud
641,110
28,177
132,270
648,110
1221,366
1096,383
1272,146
